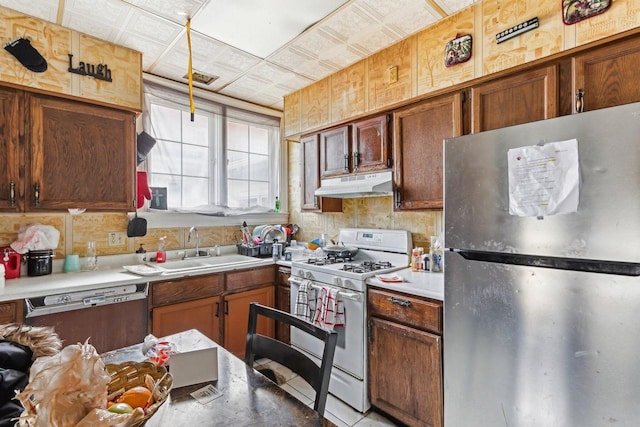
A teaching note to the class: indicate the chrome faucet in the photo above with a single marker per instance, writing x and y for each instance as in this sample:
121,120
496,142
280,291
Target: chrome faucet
191,230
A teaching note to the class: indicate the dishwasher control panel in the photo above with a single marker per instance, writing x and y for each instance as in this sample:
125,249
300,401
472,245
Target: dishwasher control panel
92,296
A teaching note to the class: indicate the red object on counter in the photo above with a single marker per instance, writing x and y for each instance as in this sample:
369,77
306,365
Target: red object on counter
11,261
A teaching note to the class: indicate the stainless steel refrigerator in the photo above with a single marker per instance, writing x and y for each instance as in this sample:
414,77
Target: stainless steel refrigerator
542,308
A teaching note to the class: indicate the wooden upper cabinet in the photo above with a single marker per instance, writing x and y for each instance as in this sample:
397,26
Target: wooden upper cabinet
11,135
371,143
310,177
607,76
80,156
335,149
419,132
521,98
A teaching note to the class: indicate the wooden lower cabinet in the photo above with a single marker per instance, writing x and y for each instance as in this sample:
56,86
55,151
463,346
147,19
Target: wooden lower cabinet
11,311
236,317
202,314
405,357
187,303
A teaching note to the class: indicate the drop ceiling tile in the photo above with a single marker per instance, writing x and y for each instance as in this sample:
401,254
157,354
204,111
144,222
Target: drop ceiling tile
350,23
276,75
151,27
43,9
452,6
103,19
304,64
174,10
404,17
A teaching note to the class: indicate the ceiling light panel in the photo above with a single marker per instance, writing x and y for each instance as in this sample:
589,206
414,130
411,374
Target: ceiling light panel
260,26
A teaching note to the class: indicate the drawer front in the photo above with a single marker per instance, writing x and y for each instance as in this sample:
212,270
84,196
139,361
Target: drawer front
410,310
186,289
283,275
250,278
9,312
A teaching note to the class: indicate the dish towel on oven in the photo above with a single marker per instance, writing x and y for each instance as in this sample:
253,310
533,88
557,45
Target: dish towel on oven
329,309
305,301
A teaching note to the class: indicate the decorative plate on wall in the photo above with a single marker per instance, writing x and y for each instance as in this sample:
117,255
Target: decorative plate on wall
458,50
576,10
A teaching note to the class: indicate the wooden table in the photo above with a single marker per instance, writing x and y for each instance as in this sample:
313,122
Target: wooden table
248,397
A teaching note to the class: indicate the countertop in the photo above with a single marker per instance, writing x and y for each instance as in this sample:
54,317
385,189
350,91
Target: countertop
420,283
109,274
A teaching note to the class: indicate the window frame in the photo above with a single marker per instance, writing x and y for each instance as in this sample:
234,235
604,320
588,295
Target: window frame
157,219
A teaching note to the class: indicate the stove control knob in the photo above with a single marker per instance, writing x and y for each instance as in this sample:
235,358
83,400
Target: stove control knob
308,275
63,299
337,281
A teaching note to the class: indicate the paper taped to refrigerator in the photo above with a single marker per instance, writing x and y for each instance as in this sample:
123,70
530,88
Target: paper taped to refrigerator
544,179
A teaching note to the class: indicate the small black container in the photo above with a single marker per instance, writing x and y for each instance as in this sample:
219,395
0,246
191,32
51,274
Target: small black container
39,263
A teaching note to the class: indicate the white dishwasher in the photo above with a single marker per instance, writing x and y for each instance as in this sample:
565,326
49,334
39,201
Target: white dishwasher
111,317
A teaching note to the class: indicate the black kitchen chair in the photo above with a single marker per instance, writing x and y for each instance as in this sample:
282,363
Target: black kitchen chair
259,345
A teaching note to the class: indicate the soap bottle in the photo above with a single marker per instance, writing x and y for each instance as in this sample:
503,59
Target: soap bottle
142,254
161,256
277,207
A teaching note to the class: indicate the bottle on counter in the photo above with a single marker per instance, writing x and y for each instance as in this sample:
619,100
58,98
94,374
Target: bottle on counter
141,253
161,256
1,275
277,206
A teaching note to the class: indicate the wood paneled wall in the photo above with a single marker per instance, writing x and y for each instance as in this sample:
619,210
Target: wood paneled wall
365,86
55,43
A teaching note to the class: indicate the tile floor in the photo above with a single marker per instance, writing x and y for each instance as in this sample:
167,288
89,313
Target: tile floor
336,410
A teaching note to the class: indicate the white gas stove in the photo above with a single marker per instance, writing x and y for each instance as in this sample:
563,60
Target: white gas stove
378,252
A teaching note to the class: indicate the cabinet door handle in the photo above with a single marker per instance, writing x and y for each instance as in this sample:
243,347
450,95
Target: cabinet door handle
217,309
398,198
346,163
12,193
315,202
580,101
355,161
400,301
36,194
226,308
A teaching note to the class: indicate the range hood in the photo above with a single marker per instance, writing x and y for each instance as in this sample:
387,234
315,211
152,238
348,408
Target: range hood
353,186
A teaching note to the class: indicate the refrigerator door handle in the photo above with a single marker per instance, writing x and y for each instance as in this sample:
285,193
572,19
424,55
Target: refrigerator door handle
587,265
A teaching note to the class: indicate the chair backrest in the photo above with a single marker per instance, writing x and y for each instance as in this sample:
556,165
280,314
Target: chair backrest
317,376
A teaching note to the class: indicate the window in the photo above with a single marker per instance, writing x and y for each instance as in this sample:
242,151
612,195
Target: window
225,157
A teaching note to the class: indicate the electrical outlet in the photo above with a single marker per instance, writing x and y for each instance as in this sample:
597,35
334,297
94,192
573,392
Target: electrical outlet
116,238
393,74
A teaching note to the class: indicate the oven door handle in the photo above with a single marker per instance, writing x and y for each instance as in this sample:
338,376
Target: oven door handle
353,296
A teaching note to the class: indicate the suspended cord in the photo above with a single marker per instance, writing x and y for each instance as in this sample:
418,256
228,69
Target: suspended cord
192,106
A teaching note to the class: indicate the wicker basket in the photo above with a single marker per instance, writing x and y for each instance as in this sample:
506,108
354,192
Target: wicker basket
128,375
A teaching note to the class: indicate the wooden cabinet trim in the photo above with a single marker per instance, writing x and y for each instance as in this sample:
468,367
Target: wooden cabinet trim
422,314
186,289
253,278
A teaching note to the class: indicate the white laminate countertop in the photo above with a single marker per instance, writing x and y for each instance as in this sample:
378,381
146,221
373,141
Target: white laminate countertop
420,283
110,274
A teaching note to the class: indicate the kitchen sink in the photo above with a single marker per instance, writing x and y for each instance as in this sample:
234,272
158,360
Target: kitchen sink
204,262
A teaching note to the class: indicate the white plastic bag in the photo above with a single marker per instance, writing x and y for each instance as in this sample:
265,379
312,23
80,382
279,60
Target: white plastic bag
64,388
35,237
